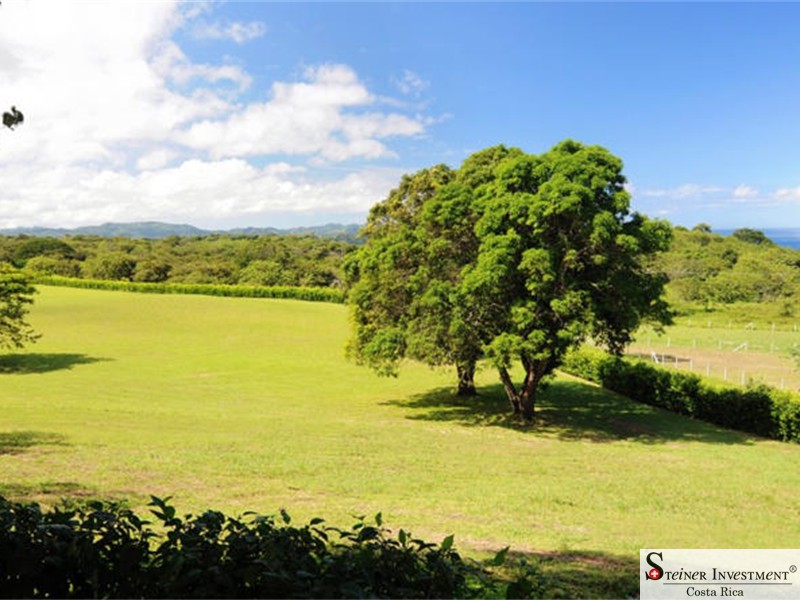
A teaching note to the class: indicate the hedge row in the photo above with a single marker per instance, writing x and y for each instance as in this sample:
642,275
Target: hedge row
102,550
206,289
757,409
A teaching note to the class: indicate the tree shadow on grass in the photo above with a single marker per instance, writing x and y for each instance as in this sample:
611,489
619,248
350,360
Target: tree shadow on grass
583,574
25,364
47,492
17,442
56,489
570,409
69,494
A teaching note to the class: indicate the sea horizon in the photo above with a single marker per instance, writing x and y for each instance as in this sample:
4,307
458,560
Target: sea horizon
782,236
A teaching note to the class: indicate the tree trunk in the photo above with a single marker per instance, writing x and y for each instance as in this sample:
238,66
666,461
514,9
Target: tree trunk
535,372
511,391
528,399
523,402
466,379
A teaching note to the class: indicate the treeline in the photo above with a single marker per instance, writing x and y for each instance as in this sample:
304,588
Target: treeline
257,261
703,267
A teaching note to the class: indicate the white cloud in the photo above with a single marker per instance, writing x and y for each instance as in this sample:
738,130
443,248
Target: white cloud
315,117
745,191
712,197
170,62
88,77
686,190
156,159
195,190
629,187
411,84
237,31
788,194
122,125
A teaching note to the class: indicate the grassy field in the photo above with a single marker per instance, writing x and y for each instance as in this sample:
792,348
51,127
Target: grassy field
247,404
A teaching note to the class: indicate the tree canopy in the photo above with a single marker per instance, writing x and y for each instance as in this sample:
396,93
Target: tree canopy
16,294
513,257
404,280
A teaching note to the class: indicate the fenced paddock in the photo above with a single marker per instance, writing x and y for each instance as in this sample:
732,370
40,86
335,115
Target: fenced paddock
729,352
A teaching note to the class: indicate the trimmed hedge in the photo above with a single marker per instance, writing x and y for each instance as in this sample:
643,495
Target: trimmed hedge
311,294
103,550
758,409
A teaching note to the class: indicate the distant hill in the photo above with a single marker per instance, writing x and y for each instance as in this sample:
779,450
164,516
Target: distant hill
156,230
786,236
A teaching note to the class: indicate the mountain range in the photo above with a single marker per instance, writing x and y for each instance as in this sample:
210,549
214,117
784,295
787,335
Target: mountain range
789,237
157,230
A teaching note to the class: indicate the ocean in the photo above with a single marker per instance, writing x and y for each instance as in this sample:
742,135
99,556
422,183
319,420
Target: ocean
787,236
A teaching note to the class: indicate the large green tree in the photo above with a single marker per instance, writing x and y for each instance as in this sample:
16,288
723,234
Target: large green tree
514,257
561,259
404,279
400,282
16,295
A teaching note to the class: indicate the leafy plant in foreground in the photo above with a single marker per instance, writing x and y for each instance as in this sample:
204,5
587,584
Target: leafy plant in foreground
105,550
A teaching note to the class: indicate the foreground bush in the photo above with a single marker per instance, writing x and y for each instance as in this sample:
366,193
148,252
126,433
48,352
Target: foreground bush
757,409
105,550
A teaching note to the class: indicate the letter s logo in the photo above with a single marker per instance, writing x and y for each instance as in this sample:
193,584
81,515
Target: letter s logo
656,572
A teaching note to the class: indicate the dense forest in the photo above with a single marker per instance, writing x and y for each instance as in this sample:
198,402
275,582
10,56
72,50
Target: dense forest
707,268
704,268
220,259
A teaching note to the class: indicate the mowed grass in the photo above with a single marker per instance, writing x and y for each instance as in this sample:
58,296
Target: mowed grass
240,404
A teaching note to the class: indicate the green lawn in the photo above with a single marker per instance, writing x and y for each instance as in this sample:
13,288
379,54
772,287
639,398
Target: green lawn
240,404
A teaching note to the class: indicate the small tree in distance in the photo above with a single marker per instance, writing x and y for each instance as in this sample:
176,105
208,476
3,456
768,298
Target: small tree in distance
16,295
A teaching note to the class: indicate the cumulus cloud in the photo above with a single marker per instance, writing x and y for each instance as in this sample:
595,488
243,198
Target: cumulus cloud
194,190
172,64
88,77
318,116
122,125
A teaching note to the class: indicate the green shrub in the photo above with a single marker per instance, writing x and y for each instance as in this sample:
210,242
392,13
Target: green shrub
206,289
757,409
105,550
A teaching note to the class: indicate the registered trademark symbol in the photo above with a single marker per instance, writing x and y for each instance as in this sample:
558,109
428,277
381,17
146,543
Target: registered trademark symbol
793,569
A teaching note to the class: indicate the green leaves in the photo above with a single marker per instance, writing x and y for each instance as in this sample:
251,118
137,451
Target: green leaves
99,549
16,294
515,256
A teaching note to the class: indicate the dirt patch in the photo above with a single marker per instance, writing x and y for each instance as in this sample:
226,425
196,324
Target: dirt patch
735,368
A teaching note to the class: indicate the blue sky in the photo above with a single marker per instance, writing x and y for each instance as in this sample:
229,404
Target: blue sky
255,113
